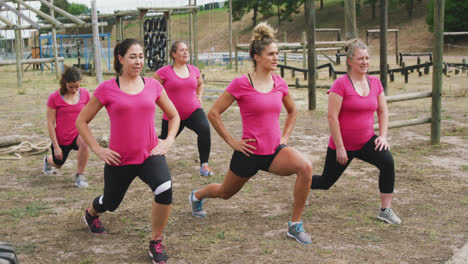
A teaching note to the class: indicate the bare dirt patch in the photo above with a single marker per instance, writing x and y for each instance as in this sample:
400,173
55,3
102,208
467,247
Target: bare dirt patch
42,216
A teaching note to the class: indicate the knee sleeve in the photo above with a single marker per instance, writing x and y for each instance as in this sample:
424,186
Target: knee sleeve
98,204
163,193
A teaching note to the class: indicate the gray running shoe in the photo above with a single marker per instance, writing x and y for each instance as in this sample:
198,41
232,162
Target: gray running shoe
297,232
197,206
80,181
48,170
389,216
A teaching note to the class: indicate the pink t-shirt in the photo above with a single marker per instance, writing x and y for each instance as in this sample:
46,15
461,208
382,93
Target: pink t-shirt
132,132
66,114
260,112
181,91
357,112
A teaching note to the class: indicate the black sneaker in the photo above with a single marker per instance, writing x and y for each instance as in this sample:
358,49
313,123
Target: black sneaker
157,251
94,224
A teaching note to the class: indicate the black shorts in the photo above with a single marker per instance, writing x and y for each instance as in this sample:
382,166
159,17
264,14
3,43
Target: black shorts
65,150
247,166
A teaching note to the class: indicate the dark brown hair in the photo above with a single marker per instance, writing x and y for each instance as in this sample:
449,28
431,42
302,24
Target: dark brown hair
263,36
120,49
175,46
69,75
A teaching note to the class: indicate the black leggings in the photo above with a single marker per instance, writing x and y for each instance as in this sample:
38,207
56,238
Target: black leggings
197,122
153,171
381,159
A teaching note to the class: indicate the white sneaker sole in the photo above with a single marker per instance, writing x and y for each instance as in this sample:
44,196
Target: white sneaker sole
387,221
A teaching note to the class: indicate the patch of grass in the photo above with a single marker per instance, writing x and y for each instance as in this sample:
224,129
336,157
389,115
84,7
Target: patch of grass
221,235
370,237
465,167
88,260
247,188
28,248
325,251
464,201
434,235
31,210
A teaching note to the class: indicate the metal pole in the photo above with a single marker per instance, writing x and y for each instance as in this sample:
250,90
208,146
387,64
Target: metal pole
350,19
383,44
310,25
437,50
54,45
97,51
230,34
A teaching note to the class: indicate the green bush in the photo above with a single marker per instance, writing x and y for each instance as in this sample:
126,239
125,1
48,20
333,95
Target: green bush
455,18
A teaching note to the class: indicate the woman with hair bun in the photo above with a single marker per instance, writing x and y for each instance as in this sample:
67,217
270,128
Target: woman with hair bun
63,107
184,86
261,96
352,101
134,148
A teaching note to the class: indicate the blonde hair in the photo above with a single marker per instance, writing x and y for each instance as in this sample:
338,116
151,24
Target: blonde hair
263,35
354,44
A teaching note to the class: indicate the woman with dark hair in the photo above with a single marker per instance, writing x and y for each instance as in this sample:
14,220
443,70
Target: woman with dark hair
184,86
352,101
261,96
134,148
63,107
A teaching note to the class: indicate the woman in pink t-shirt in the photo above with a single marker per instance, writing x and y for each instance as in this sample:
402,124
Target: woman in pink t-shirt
63,107
352,102
134,148
261,96
184,86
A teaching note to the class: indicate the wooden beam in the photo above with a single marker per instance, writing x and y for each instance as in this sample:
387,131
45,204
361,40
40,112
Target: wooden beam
404,123
48,26
350,19
97,50
311,45
6,21
410,96
455,33
383,44
63,13
16,12
43,15
54,45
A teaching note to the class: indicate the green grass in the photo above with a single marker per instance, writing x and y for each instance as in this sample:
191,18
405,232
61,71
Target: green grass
32,210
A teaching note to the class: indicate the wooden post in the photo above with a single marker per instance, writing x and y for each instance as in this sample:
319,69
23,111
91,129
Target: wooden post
230,34
310,25
383,44
285,40
396,46
97,50
190,34
142,33
169,37
19,66
304,50
438,46
195,36
463,67
350,19
20,37
117,29
54,45
236,55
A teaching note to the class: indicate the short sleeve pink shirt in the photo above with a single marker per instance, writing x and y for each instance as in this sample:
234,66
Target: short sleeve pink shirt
260,112
66,114
356,116
181,91
132,132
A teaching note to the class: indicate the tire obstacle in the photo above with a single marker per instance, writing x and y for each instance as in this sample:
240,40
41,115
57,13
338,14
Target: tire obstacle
7,254
155,41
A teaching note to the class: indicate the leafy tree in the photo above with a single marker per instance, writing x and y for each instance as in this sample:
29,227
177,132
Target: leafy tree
62,4
455,18
77,9
373,4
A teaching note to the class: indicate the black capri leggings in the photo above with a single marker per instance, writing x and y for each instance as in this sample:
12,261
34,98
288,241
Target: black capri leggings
383,160
154,172
197,122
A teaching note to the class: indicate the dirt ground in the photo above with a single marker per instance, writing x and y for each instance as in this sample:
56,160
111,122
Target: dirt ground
42,216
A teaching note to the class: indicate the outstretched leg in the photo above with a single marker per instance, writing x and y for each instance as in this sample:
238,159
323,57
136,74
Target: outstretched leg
230,186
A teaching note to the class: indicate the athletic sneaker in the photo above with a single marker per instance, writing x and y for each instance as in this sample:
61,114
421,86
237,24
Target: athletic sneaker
389,216
80,181
94,224
197,206
206,171
157,251
48,170
297,232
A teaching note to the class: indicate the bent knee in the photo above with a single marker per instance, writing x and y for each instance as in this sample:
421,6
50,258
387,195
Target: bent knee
306,169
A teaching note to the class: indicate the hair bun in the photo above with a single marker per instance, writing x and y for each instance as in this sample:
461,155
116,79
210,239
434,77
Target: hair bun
263,31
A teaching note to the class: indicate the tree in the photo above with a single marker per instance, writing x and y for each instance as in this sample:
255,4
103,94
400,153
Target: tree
62,4
77,9
454,18
283,9
242,7
372,3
